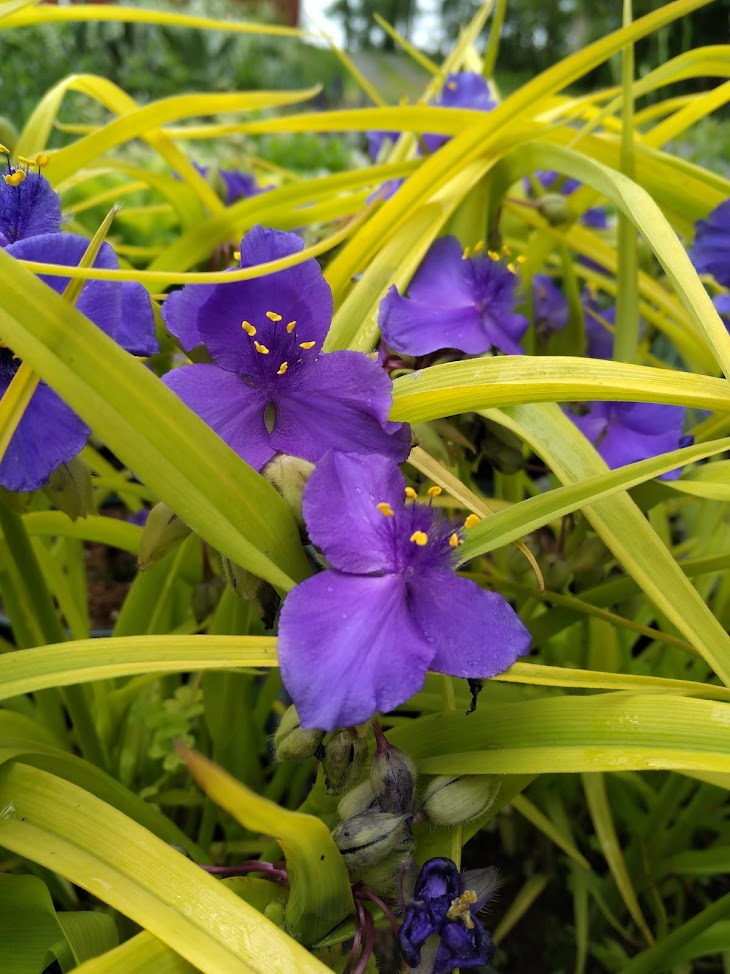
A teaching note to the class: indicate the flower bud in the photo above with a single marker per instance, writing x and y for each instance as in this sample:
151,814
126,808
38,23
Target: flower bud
392,776
369,838
383,878
553,207
357,800
344,758
289,475
244,583
162,532
69,488
292,742
455,799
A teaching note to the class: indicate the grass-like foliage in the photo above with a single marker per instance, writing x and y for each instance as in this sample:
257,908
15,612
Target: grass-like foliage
516,290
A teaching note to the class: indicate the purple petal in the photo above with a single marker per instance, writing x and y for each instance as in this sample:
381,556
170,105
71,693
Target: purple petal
722,306
415,930
476,633
463,948
28,209
549,305
710,252
239,185
136,330
348,647
228,406
595,217
299,293
49,434
443,277
467,89
340,509
181,310
416,327
338,401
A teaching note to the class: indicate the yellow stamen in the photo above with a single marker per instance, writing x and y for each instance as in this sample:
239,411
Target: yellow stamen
15,178
451,85
493,254
466,254
472,520
454,540
306,344
434,491
273,316
506,250
236,254
420,538
460,908
511,268
411,494
24,161
261,348
41,160
282,368
521,259
479,245
248,328
385,509
291,326
4,149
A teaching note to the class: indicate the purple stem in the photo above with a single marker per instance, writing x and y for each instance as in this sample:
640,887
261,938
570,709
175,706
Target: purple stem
368,941
367,894
266,869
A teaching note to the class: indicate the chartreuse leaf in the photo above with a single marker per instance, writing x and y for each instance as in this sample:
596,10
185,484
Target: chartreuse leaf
601,732
94,527
624,529
64,828
150,429
528,515
143,954
457,387
320,896
88,933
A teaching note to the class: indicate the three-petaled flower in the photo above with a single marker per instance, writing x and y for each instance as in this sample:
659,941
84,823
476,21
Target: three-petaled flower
624,432
271,388
360,636
441,930
50,433
457,299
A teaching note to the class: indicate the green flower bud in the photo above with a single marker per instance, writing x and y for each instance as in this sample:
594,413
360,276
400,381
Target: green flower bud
392,776
244,583
289,475
359,799
554,208
345,755
383,878
69,488
455,799
163,531
292,742
369,838
274,911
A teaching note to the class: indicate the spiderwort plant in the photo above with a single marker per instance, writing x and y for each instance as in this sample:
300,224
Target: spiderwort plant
28,204
271,389
457,299
360,636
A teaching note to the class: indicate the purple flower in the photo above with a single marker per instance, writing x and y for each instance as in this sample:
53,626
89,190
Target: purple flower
454,301
28,206
722,306
549,305
462,89
238,185
624,432
710,252
360,636
271,389
594,216
599,340
445,906
50,433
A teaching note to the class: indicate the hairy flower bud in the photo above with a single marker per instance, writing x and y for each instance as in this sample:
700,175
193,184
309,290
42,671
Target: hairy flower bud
392,776
292,742
69,488
554,208
289,475
357,800
163,531
454,799
369,838
344,758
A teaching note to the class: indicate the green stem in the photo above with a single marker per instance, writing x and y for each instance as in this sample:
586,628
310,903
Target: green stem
495,32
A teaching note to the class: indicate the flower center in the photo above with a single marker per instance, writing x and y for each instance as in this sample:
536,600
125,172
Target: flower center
460,908
277,341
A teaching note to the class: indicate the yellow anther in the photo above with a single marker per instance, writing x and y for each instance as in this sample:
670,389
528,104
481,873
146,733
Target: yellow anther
4,149
460,908
273,316
385,509
467,253
454,540
434,491
511,268
248,328
521,259
15,178
23,160
291,326
42,159
451,85
506,250
411,494
261,348
282,368
493,254
236,254
307,344
420,538
471,520
479,245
